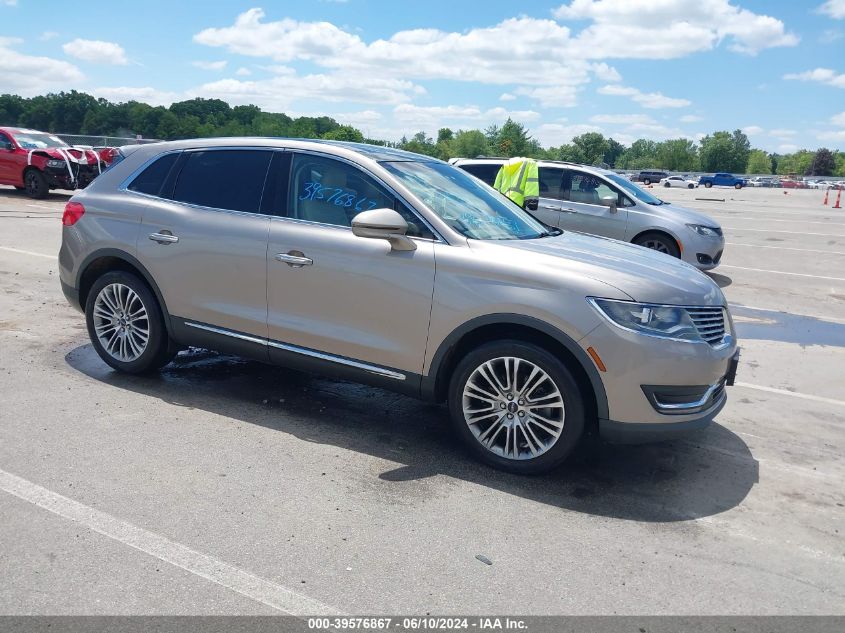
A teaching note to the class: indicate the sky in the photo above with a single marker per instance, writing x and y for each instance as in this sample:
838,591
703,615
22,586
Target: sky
629,69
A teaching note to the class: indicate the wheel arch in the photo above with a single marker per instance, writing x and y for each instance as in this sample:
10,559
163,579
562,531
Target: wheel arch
107,260
659,231
520,327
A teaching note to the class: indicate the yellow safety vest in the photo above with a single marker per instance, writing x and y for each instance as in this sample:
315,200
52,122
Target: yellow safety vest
519,179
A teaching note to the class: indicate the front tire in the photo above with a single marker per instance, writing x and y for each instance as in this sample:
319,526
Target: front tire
35,184
667,185
738,185
659,242
646,181
516,407
690,186
125,324
707,185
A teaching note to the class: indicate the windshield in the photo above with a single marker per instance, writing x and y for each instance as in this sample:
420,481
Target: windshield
465,203
39,141
640,194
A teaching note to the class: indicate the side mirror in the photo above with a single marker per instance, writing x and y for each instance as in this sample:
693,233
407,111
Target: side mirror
383,224
610,203
531,204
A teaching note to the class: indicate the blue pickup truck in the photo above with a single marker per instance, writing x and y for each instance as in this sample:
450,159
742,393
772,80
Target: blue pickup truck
722,180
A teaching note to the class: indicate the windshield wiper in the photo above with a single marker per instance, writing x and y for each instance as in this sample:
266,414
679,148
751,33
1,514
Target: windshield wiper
552,233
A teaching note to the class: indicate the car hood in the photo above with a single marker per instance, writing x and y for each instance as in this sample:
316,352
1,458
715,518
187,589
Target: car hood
74,155
644,275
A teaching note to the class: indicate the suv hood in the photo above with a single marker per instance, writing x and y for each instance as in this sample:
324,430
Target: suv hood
642,274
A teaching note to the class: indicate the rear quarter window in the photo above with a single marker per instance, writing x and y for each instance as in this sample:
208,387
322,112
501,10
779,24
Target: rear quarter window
487,173
152,178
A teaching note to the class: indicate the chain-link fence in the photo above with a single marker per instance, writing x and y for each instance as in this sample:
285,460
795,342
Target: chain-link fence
103,141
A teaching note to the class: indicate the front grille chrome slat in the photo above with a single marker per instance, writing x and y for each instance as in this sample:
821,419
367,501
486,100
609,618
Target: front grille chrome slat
710,323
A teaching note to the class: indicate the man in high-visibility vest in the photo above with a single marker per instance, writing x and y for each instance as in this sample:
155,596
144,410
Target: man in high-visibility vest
519,180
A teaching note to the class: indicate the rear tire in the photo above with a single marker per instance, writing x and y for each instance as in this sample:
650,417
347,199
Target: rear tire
536,410
690,186
659,242
708,184
738,185
666,184
126,325
35,184
646,181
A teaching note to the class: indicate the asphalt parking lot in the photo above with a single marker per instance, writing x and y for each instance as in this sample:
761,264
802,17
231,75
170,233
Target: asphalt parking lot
228,487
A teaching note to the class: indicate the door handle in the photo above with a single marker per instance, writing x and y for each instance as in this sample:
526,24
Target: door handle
294,259
551,207
164,238
568,210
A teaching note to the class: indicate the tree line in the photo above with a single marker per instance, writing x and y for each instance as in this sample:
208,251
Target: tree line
79,113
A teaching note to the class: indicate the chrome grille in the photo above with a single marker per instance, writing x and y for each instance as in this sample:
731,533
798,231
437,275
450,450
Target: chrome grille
710,323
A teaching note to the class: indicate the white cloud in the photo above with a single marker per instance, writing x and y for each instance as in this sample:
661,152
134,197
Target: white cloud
219,65
668,29
507,97
622,119
278,93
647,100
691,118
10,3
821,75
753,130
28,75
553,134
561,96
833,8
96,51
838,119
48,35
782,133
243,72
434,116
606,73
144,94
831,135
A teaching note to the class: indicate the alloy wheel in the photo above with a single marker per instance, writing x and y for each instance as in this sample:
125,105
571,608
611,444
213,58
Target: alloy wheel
656,245
121,322
513,408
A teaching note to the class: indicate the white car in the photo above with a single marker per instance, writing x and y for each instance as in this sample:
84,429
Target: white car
678,181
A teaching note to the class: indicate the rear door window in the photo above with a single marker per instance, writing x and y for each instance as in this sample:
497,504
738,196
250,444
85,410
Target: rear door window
589,189
551,183
152,178
223,179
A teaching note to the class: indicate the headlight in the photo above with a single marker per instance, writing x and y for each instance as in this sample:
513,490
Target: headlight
705,230
670,322
55,162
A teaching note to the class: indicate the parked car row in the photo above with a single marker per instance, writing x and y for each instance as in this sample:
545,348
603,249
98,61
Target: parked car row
400,270
36,162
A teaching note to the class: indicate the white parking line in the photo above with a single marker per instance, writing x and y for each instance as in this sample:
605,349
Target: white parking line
33,253
787,248
800,220
741,306
259,589
783,272
794,394
796,233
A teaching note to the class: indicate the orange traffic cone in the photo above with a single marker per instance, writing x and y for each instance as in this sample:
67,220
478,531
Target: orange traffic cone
826,191
838,197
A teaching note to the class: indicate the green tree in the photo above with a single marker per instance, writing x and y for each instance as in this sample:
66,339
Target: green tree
420,143
513,139
614,151
824,163
470,143
641,155
679,154
570,152
725,151
593,146
759,163
840,164
344,133
797,163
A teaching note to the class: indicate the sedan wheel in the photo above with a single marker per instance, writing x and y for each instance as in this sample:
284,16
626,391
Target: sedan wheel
516,406
35,184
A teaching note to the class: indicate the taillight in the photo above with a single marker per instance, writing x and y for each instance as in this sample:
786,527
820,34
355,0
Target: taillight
73,211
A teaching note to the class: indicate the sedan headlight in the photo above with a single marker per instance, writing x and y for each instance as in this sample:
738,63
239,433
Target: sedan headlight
669,322
706,231
55,162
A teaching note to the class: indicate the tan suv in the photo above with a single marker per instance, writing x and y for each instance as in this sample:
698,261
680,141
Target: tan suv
401,271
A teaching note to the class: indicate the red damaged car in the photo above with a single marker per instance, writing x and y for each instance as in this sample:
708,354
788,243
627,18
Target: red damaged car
36,162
